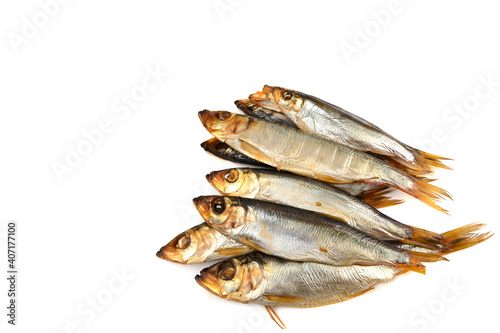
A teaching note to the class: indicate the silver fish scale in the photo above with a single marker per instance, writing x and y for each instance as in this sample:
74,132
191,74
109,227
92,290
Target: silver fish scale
317,284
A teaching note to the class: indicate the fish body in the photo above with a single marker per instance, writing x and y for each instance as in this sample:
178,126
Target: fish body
272,281
302,153
203,243
300,235
317,116
226,152
309,194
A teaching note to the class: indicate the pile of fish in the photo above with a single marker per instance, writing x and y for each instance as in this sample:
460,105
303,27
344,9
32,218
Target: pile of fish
304,228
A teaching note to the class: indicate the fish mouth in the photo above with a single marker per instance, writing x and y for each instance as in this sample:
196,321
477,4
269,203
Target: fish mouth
207,118
223,124
214,145
202,204
251,108
206,145
216,180
242,104
262,95
209,282
265,98
164,254
168,254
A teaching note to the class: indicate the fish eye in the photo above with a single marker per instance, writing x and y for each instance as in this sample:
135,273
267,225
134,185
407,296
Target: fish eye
183,242
252,107
224,115
287,95
232,176
218,206
227,271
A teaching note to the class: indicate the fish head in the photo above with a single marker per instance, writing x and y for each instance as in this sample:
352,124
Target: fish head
214,146
278,99
252,109
224,125
246,106
239,279
235,182
225,214
190,247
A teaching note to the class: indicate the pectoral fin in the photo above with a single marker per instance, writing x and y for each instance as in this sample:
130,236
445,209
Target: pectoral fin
252,151
234,251
274,316
302,125
283,298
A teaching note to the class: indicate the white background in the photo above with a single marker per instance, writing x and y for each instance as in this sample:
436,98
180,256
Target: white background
132,193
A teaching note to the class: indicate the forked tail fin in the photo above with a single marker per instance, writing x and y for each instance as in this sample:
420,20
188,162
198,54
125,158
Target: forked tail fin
457,233
407,167
467,242
429,161
453,240
464,237
427,193
378,198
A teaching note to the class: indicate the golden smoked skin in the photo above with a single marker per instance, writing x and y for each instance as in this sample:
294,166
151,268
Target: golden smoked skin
292,150
305,193
201,244
271,281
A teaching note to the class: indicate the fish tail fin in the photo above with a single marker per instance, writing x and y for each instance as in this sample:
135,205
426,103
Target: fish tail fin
429,161
464,237
416,259
377,197
426,238
427,193
457,233
409,168
467,242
